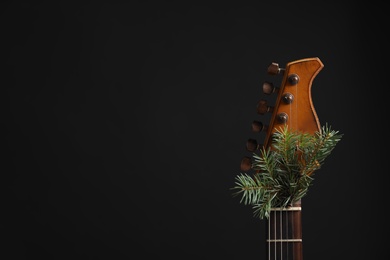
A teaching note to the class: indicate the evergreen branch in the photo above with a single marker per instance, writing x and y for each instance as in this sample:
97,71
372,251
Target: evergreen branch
284,170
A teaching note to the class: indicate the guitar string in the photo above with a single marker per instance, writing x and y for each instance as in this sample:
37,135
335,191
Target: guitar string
296,88
295,119
294,125
281,232
292,230
275,233
286,234
269,237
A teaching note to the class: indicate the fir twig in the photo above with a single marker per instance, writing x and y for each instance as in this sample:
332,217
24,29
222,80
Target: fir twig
284,171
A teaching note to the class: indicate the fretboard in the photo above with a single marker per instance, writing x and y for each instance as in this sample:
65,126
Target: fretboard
284,238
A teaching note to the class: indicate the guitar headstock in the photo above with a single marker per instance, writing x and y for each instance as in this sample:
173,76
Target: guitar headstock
293,104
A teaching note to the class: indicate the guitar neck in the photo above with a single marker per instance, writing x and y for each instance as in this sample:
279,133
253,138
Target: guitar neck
293,142
285,233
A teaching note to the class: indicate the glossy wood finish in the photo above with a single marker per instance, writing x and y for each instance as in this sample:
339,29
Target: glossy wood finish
301,113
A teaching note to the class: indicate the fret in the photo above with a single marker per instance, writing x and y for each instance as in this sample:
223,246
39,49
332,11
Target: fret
285,240
287,209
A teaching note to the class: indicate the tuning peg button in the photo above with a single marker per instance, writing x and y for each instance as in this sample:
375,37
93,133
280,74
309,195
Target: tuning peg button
263,108
288,98
282,118
246,164
252,145
268,88
258,126
273,69
293,79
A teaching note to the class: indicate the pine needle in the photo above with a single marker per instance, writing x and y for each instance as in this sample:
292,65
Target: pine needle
284,172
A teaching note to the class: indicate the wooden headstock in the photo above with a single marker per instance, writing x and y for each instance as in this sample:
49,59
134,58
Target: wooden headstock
293,105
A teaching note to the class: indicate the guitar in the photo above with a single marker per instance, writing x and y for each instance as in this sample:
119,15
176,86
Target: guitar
293,108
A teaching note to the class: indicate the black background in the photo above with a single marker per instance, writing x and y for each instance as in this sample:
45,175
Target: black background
127,121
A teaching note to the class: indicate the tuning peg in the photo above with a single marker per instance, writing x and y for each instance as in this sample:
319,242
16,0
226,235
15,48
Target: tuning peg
258,126
268,88
282,117
246,164
288,98
263,108
273,69
252,145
